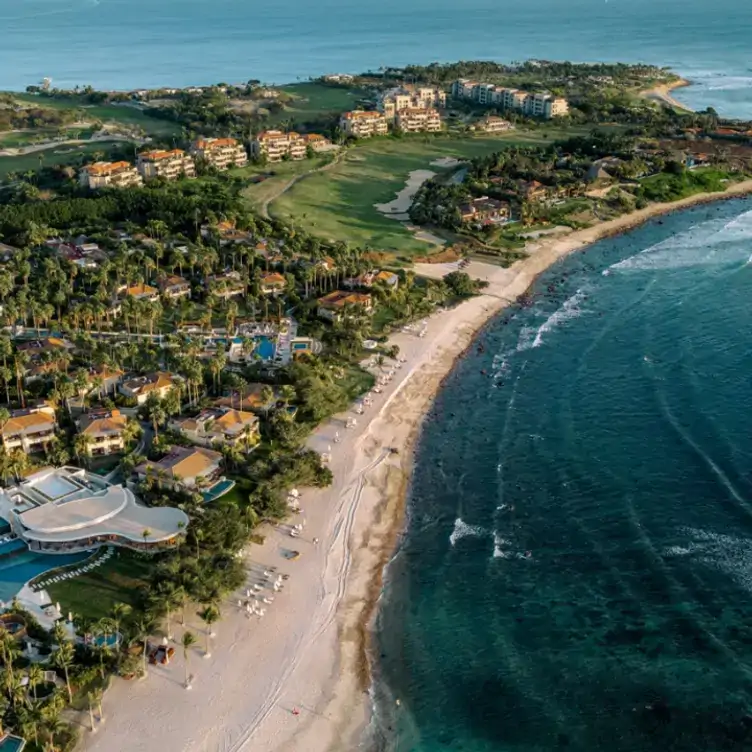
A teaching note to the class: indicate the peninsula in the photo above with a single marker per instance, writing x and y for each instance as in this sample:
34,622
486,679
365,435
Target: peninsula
224,313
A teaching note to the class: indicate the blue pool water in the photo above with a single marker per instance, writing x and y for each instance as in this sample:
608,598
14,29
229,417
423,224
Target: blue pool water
219,489
265,348
10,546
12,744
15,571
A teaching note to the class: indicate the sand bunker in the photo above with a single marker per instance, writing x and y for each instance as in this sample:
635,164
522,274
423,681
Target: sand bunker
401,204
446,162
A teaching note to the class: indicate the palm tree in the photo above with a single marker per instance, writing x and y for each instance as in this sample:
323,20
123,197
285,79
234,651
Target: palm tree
119,610
145,535
63,658
209,615
36,677
187,641
81,445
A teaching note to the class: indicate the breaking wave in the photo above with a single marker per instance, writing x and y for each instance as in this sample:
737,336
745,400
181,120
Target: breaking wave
463,530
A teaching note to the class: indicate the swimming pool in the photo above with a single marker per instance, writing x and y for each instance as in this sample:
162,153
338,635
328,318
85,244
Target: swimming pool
10,546
265,348
17,570
12,743
218,489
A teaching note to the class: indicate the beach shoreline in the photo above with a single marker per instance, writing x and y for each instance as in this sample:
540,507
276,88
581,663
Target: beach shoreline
299,680
664,93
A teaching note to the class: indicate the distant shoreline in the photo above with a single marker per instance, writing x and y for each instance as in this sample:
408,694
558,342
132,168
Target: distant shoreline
662,93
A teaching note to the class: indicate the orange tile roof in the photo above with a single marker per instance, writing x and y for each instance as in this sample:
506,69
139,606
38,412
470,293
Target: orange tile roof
236,418
362,115
21,423
314,137
215,143
339,299
141,290
106,168
199,461
157,155
273,278
113,423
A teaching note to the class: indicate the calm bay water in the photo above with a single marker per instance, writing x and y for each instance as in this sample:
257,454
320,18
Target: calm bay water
125,44
576,572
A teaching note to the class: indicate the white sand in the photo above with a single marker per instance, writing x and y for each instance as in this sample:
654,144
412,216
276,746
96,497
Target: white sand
401,204
308,651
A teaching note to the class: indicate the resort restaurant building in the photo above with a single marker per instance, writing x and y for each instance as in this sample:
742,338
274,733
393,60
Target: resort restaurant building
66,509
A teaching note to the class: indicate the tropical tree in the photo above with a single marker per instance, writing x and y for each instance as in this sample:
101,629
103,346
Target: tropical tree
187,641
209,616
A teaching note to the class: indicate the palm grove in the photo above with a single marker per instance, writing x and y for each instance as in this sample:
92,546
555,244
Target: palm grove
144,234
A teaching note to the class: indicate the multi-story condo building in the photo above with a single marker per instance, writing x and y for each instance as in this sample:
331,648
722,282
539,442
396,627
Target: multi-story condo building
407,97
140,387
418,119
363,124
535,104
317,142
109,175
166,164
220,152
276,145
30,429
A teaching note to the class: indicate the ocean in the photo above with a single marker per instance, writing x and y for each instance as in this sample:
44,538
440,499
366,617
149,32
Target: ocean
576,568
126,44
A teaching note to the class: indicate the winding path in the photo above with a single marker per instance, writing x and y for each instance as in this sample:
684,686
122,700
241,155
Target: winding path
264,207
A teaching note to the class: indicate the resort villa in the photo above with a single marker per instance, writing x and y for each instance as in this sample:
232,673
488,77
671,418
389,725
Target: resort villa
174,287
159,383
30,429
226,285
363,124
105,430
183,468
141,291
317,142
272,283
44,355
484,211
170,165
417,120
492,124
220,153
109,175
260,398
275,145
538,104
220,426
368,279
337,305
66,509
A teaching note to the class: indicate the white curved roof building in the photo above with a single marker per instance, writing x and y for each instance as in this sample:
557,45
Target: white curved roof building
59,510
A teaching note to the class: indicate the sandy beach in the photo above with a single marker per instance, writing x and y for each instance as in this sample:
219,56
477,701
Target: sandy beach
309,652
663,94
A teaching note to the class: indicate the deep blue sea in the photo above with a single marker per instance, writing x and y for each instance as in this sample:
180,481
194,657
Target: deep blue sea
125,44
576,571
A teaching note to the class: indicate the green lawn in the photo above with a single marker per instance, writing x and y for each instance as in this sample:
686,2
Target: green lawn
257,193
106,113
94,593
58,155
315,102
338,204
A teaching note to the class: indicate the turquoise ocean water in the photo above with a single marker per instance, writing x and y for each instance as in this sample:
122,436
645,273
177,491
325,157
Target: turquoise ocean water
576,571
127,44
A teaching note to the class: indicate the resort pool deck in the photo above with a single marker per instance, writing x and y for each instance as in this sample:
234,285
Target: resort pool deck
218,489
17,570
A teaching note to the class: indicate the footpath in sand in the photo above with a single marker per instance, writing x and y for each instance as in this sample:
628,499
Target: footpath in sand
308,651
